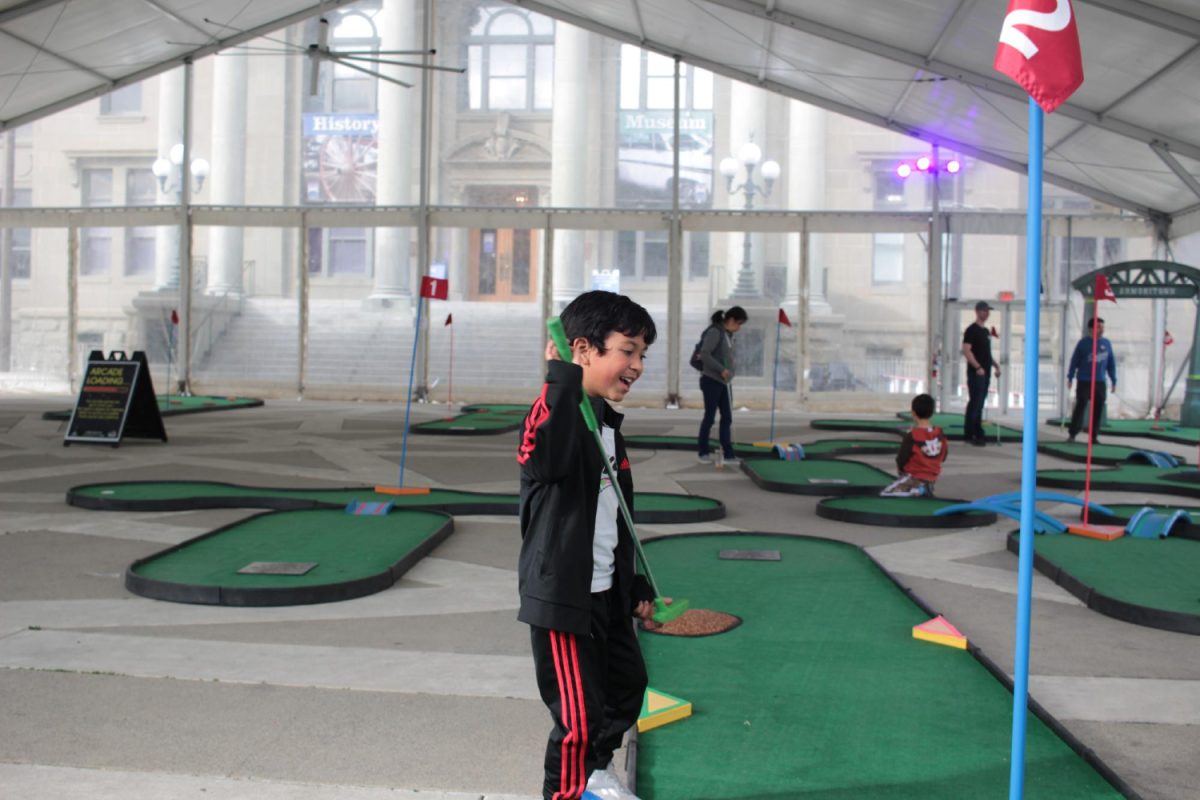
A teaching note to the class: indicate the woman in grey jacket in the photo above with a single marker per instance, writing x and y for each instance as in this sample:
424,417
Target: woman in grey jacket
716,351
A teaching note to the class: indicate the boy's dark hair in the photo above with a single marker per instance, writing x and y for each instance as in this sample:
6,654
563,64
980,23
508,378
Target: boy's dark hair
594,315
922,406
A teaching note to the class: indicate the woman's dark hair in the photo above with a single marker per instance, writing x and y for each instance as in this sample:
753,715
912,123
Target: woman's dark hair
736,313
594,315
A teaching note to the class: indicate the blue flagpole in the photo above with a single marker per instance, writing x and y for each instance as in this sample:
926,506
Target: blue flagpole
412,368
774,379
1033,288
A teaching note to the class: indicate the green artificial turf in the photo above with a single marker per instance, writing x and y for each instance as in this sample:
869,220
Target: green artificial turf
905,506
1077,451
1124,477
951,424
1166,429
823,694
1156,573
171,405
475,421
661,501
345,547
819,472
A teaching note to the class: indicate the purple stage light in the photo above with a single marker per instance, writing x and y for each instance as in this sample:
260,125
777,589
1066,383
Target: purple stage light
904,170
953,166
923,163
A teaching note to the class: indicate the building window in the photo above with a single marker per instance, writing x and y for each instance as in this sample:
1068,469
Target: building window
341,90
887,260
21,242
646,132
95,244
339,251
126,100
510,60
140,190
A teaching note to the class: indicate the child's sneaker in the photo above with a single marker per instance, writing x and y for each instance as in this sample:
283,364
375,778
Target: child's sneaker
705,458
604,784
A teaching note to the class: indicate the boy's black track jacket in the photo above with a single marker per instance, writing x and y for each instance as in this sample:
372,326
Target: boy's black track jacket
561,470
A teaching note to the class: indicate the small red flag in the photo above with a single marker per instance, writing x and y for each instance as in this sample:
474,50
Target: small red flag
174,317
1167,338
784,318
1104,289
1039,49
434,288
995,335
449,320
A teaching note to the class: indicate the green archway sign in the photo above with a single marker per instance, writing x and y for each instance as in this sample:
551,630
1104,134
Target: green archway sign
1154,280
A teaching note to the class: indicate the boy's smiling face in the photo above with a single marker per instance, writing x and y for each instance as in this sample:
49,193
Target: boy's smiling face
611,372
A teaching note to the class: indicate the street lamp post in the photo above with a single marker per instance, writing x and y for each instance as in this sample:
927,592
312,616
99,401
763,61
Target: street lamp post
169,172
748,156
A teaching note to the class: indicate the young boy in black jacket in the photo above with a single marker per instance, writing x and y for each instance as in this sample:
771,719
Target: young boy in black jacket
579,590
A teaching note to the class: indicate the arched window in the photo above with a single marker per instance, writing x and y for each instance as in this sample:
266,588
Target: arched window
510,59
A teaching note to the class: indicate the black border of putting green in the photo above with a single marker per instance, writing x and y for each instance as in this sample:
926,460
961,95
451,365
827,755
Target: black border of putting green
818,489
253,402
961,519
1149,488
1164,436
74,498
1037,709
1175,621
641,517
277,596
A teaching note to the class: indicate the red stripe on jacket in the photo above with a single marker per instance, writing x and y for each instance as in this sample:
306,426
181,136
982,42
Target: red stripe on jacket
537,416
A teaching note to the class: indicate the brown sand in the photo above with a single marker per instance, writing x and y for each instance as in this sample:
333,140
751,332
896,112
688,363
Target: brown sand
698,622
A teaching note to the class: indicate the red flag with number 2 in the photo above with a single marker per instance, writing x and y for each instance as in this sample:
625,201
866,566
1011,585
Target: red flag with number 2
1039,49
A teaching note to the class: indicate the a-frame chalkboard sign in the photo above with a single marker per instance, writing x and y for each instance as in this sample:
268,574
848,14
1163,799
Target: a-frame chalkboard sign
116,400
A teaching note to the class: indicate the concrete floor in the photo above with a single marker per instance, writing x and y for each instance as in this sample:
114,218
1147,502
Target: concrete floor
426,689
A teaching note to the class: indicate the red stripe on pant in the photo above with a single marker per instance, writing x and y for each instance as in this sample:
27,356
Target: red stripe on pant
572,780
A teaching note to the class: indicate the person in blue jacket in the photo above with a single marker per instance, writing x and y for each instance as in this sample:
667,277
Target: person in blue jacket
1081,368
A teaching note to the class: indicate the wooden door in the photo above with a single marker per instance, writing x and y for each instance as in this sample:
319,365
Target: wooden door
503,264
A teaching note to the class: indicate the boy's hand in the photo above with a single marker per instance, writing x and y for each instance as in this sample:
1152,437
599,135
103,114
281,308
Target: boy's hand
552,351
644,611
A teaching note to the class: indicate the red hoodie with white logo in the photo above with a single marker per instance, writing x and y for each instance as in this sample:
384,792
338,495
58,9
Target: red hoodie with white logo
922,452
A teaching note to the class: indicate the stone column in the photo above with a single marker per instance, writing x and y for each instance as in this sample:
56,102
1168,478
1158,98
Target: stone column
569,154
170,133
805,165
399,115
227,184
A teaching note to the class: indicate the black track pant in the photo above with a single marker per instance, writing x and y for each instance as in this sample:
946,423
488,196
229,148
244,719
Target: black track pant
1083,394
593,686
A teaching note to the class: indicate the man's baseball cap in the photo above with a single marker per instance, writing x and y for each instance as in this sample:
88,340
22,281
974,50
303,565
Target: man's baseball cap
982,306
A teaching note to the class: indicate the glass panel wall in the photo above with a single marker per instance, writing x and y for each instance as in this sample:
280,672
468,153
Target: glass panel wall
245,310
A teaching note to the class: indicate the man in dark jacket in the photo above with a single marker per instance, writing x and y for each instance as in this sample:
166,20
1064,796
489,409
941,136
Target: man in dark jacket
579,590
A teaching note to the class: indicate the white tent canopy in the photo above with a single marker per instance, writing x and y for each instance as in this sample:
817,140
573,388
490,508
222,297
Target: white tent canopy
1128,137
